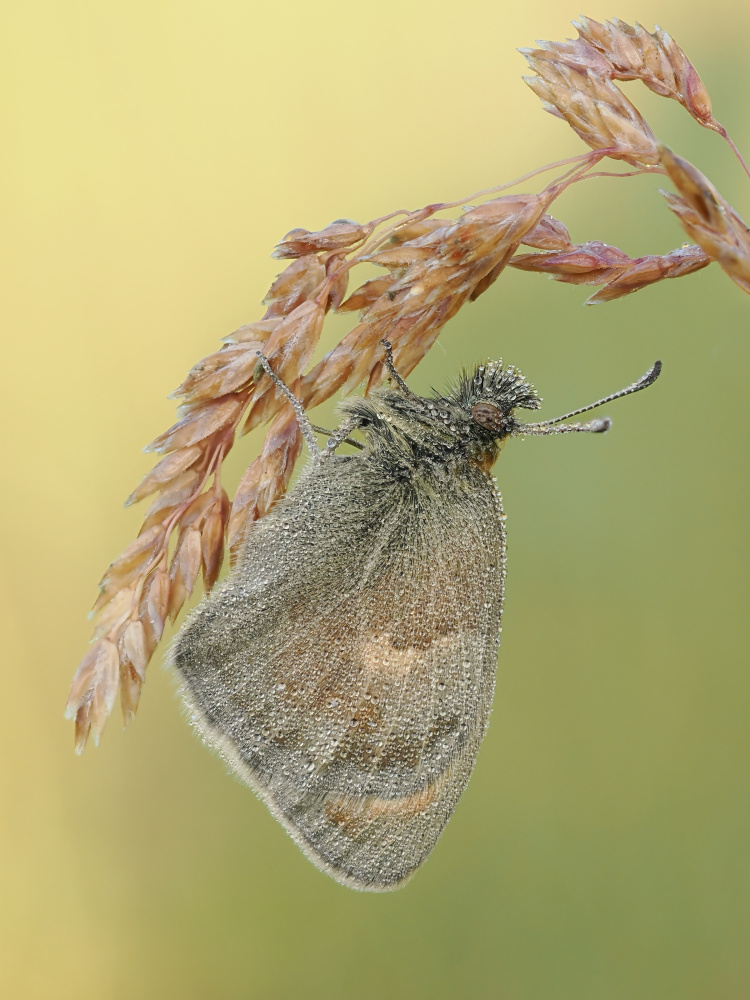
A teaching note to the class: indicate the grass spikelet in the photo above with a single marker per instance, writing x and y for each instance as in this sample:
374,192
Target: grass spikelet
596,110
267,477
654,58
708,219
597,263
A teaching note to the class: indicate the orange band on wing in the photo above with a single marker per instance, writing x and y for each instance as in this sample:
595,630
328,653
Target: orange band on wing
381,657
356,813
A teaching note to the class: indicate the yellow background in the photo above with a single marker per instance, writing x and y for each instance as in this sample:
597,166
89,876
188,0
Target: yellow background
152,154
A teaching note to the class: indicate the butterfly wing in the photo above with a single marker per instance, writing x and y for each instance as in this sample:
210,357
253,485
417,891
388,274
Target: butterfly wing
346,668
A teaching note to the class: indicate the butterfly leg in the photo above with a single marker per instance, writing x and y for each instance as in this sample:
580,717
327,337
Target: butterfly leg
392,373
305,426
341,435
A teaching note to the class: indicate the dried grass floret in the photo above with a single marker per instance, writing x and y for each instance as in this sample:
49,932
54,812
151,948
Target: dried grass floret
621,51
597,263
596,110
708,218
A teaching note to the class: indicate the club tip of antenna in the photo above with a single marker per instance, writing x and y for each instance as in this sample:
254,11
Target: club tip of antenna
651,375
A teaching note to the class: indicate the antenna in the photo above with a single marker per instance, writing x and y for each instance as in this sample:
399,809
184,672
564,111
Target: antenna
555,426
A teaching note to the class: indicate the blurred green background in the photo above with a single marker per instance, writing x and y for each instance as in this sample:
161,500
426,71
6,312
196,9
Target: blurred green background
153,153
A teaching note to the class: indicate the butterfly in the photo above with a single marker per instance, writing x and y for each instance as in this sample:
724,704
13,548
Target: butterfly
345,669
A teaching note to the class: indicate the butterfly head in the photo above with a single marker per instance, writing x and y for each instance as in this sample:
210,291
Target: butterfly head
487,398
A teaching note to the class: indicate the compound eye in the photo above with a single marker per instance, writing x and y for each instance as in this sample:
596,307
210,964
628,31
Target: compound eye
489,416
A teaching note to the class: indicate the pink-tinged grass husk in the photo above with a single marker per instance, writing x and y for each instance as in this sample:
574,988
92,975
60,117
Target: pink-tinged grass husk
708,218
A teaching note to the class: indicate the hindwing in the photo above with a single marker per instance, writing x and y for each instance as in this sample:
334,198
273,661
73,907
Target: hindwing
345,669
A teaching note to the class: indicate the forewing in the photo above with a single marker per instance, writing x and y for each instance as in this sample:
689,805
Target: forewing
346,668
